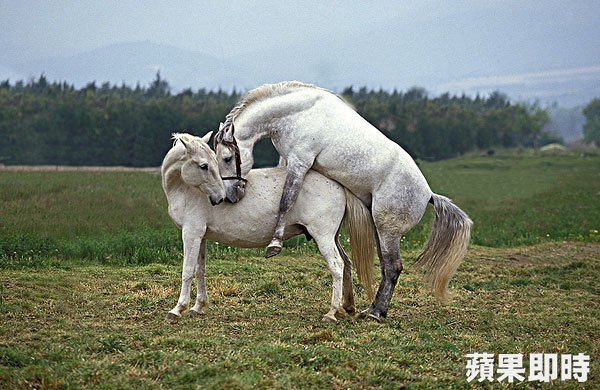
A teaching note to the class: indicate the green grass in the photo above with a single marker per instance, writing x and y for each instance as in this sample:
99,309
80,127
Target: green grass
90,263
99,326
60,205
120,217
521,200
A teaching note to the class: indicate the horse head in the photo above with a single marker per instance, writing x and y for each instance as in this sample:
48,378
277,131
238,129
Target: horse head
200,168
229,161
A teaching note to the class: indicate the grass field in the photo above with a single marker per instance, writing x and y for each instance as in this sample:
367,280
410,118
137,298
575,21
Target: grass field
90,264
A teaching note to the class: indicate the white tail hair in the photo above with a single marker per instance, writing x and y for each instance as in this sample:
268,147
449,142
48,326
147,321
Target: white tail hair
362,240
446,245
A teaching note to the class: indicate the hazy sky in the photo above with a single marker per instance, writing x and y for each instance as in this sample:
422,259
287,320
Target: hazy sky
35,29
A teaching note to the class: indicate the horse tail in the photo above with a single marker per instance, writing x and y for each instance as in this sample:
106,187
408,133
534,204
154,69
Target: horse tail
446,245
362,240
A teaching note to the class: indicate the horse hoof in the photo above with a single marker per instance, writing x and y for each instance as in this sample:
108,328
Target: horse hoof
272,251
172,318
330,319
351,311
369,314
195,313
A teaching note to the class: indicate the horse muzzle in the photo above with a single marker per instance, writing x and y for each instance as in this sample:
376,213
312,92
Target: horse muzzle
214,201
236,192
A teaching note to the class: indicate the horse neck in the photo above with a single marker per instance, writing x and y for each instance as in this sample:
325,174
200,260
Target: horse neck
171,178
178,192
263,118
248,131
171,170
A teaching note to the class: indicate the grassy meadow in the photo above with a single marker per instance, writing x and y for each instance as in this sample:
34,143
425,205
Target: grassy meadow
90,264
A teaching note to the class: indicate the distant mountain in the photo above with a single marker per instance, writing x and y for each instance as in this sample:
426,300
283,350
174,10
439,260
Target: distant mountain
434,59
136,62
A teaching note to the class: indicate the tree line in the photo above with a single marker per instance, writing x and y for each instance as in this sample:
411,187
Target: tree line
55,123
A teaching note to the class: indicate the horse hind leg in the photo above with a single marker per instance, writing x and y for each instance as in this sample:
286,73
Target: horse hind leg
348,292
394,214
391,267
335,263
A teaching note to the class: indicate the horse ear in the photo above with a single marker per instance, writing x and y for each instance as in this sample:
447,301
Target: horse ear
228,134
189,148
207,136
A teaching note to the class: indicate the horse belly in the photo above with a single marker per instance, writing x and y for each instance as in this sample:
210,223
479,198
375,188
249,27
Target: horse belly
250,222
252,234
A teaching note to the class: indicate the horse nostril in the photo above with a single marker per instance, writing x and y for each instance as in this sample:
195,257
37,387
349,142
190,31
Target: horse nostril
217,201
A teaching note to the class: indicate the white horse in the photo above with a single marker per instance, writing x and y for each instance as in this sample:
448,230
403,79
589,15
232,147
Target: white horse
191,182
312,128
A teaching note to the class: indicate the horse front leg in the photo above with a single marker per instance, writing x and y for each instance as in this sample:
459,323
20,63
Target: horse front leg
201,296
291,188
192,239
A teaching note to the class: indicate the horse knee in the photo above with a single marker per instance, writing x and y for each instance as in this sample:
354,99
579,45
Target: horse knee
399,268
337,270
392,271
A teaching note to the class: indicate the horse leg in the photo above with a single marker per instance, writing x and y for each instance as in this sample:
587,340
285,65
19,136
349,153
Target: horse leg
391,267
335,264
192,239
395,211
348,301
291,188
201,296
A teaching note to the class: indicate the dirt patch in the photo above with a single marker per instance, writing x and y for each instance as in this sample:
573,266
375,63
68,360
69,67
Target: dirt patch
520,258
552,253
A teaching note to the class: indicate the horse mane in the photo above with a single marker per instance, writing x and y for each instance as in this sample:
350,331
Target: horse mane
258,94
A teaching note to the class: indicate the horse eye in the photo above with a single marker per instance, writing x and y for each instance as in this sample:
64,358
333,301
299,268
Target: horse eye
227,159
204,167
